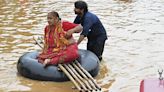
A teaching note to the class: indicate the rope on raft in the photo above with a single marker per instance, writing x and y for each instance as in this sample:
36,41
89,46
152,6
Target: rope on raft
82,80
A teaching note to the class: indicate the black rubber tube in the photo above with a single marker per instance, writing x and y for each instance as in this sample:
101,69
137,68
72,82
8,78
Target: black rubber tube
29,67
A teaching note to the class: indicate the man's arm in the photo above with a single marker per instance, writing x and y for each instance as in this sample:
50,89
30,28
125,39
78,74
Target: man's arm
81,38
76,29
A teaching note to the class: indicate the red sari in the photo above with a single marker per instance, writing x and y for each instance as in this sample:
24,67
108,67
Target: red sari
57,47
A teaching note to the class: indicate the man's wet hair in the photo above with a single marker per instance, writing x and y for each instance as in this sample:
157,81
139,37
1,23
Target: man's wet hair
81,5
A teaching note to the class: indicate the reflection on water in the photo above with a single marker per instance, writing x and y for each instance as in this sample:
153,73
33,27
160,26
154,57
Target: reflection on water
134,50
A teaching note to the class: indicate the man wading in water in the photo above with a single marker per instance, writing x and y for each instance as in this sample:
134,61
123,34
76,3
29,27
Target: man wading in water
92,28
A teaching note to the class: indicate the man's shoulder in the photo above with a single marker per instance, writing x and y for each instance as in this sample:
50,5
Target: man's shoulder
90,14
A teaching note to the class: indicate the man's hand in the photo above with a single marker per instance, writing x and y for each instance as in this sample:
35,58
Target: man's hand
69,33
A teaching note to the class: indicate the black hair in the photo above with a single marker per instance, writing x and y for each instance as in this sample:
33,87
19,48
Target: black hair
81,5
55,14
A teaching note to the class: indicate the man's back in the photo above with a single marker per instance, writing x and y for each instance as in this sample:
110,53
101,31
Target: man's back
92,26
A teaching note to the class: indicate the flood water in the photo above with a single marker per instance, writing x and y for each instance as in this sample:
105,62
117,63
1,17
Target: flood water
134,49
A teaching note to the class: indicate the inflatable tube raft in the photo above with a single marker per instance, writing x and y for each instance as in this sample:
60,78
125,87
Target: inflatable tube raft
29,67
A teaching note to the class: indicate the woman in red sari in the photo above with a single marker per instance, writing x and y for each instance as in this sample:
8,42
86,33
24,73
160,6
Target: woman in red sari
59,45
